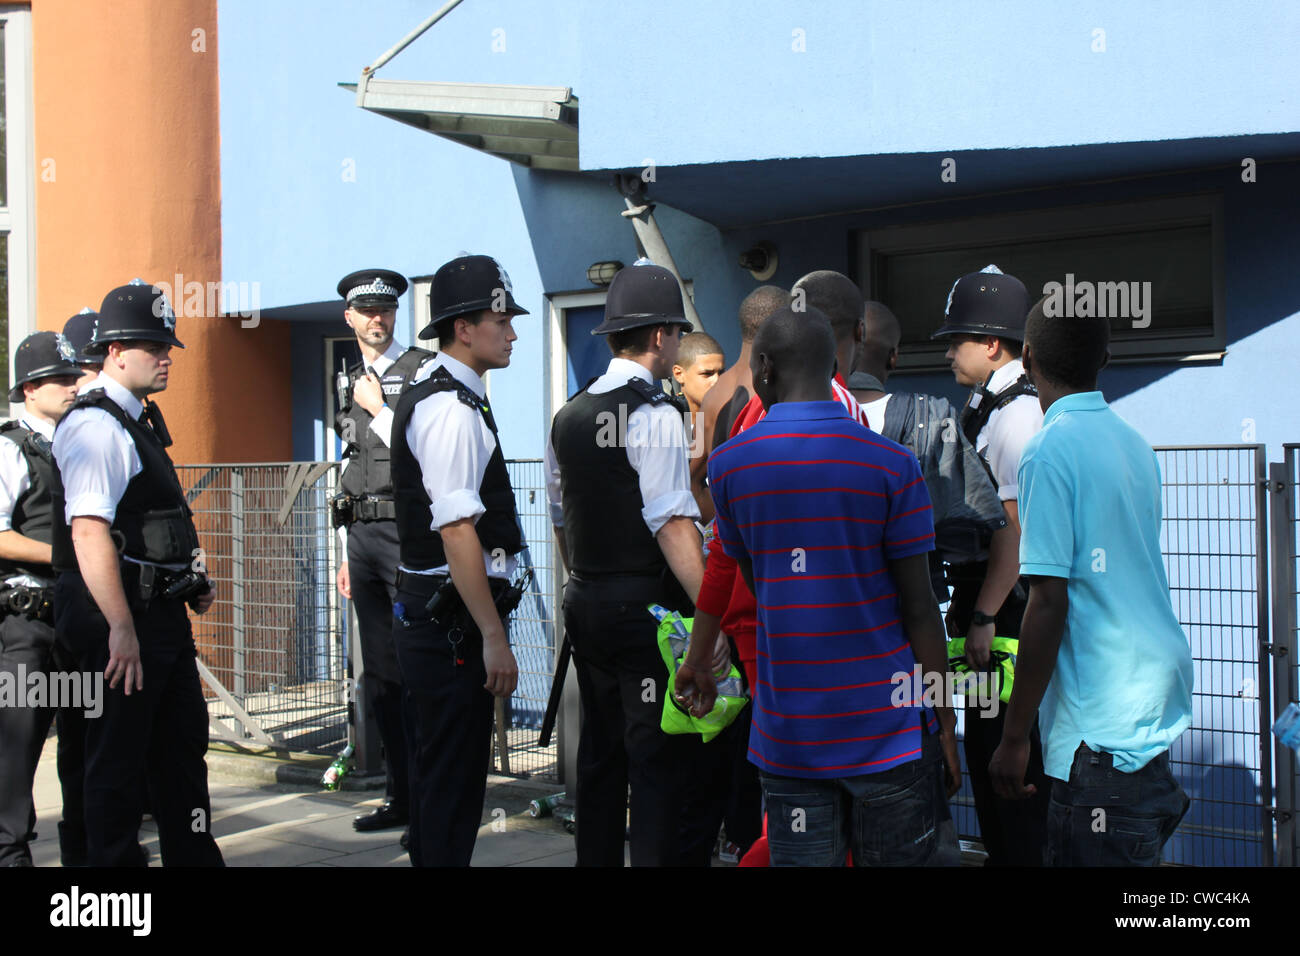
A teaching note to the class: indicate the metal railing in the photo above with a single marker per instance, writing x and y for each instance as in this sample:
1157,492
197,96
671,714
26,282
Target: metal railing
273,646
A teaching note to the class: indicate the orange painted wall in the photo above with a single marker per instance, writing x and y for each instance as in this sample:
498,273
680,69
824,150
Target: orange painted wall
127,110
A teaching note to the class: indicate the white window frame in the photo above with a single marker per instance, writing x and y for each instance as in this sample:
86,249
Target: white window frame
1064,223
555,346
17,220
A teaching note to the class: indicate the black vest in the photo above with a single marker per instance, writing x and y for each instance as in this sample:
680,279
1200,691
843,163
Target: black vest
33,515
982,403
367,471
420,547
599,489
153,521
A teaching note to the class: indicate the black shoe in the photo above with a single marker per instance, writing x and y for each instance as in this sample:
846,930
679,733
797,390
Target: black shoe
382,818
405,841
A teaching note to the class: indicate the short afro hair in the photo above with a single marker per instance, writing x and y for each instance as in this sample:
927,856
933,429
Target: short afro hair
758,305
695,345
1067,350
837,297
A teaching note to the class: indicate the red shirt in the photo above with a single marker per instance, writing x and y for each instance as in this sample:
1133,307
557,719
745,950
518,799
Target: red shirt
724,593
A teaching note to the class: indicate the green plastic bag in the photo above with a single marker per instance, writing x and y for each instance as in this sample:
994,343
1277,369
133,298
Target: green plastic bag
1002,654
674,635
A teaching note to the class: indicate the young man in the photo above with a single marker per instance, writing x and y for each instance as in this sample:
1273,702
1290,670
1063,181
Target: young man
984,323
722,403
830,525
365,514
45,381
124,544
459,535
1103,661
699,363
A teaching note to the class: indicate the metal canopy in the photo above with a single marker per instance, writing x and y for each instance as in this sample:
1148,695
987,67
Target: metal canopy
535,126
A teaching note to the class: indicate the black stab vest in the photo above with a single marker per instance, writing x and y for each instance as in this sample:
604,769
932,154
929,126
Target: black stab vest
421,548
33,515
153,521
600,491
981,404
368,471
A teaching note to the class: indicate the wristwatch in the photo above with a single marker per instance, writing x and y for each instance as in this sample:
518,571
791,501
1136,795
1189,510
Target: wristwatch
980,618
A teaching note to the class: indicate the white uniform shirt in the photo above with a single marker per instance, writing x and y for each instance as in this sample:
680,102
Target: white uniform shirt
15,479
656,443
1003,437
452,444
97,457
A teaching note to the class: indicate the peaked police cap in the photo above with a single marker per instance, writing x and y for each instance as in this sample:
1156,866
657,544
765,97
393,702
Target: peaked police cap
372,287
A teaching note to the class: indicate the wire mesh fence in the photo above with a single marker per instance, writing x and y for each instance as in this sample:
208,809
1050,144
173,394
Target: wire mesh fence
1286,611
276,637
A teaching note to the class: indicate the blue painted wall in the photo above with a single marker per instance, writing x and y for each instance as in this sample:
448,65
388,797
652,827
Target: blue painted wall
723,81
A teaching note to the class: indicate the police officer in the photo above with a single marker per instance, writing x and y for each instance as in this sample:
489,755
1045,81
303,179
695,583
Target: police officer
459,536
366,511
620,497
78,331
125,549
45,381
984,324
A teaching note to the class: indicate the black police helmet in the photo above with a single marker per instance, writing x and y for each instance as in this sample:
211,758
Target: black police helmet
643,294
469,284
136,311
371,287
78,330
988,302
39,355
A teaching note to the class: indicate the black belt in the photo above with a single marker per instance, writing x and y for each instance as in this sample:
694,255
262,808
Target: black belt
425,585
30,602
640,588
374,508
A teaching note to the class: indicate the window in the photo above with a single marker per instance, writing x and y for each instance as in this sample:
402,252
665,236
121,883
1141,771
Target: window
1154,268
17,189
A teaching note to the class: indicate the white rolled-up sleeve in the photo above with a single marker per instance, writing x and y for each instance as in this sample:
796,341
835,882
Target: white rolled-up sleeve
382,426
657,446
554,500
447,438
14,480
97,460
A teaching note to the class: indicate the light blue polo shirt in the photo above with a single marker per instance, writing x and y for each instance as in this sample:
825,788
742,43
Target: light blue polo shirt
1090,512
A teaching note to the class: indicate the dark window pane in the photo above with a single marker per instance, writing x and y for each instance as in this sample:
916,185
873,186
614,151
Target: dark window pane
4,127
1176,260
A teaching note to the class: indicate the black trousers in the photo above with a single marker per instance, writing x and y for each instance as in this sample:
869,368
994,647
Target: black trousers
448,716
159,733
26,648
1014,831
622,680
722,786
372,562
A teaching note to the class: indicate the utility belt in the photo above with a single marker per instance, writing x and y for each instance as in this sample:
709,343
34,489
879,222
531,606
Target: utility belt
662,589
443,604
345,509
36,604
149,582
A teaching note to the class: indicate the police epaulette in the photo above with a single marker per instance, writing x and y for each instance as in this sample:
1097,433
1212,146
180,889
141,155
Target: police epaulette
446,382
650,391
89,398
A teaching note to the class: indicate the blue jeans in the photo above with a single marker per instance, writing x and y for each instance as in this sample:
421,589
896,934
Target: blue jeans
1105,817
894,818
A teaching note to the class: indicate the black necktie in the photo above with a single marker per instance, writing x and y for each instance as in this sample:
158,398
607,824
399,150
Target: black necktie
152,417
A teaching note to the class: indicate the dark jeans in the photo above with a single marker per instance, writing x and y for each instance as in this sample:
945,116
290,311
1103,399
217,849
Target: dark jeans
26,646
622,680
1105,817
372,563
893,818
448,731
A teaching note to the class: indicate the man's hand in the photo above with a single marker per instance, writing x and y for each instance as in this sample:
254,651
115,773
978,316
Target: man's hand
124,658
205,600
722,657
951,762
367,392
950,623
695,689
344,582
1007,769
499,662
978,643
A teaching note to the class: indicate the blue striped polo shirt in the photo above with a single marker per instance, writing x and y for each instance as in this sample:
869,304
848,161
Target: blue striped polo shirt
820,504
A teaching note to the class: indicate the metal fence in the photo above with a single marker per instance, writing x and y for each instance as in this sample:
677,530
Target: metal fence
274,644
1284,487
